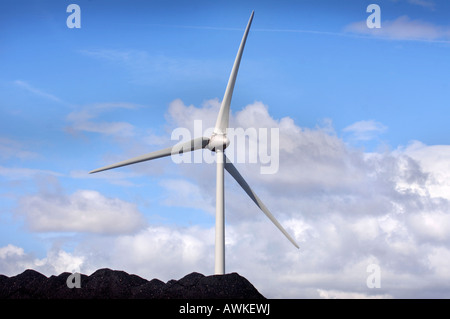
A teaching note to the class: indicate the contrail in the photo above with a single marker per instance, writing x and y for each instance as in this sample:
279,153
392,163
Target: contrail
326,33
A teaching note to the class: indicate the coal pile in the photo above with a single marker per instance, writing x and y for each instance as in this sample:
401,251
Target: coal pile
113,284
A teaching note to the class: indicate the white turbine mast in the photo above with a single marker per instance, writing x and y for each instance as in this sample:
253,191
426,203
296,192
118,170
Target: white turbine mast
216,143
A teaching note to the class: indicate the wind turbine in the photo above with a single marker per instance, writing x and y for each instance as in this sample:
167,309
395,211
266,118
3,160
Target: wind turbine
217,143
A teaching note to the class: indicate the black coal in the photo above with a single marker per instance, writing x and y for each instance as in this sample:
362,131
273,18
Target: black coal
113,284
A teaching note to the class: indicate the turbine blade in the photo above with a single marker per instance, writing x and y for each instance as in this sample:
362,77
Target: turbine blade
238,177
224,112
192,145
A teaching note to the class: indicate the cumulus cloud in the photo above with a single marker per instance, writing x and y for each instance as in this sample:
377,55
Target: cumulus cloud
82,211
183,193
347,209
153,250
14,259
185,116
433,160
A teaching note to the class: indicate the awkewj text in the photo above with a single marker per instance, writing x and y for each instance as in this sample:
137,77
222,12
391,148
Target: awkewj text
250,145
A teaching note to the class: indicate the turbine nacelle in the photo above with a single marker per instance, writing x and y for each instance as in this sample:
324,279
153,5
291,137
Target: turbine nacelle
218,142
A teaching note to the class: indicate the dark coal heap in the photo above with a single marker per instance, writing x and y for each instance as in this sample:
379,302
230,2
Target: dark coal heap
114,284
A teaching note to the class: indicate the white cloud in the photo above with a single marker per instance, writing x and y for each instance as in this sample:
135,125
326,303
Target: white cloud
10,250
84,120
432,225
36,91
183,193
403,28
181,115
113,128
14,260
435,161
336,294
365,130
166,252
439,261
82,211
10,148
341,205
23,172
347,209
59,261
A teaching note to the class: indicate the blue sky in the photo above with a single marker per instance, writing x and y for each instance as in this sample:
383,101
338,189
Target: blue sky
73,100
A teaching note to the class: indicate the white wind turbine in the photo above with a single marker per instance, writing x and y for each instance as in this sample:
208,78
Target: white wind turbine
216,143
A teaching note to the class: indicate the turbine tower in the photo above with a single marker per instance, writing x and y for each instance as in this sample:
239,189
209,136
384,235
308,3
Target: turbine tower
217,143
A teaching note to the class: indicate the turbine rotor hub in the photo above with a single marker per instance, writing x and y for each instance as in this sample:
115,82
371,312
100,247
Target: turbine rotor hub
218,142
